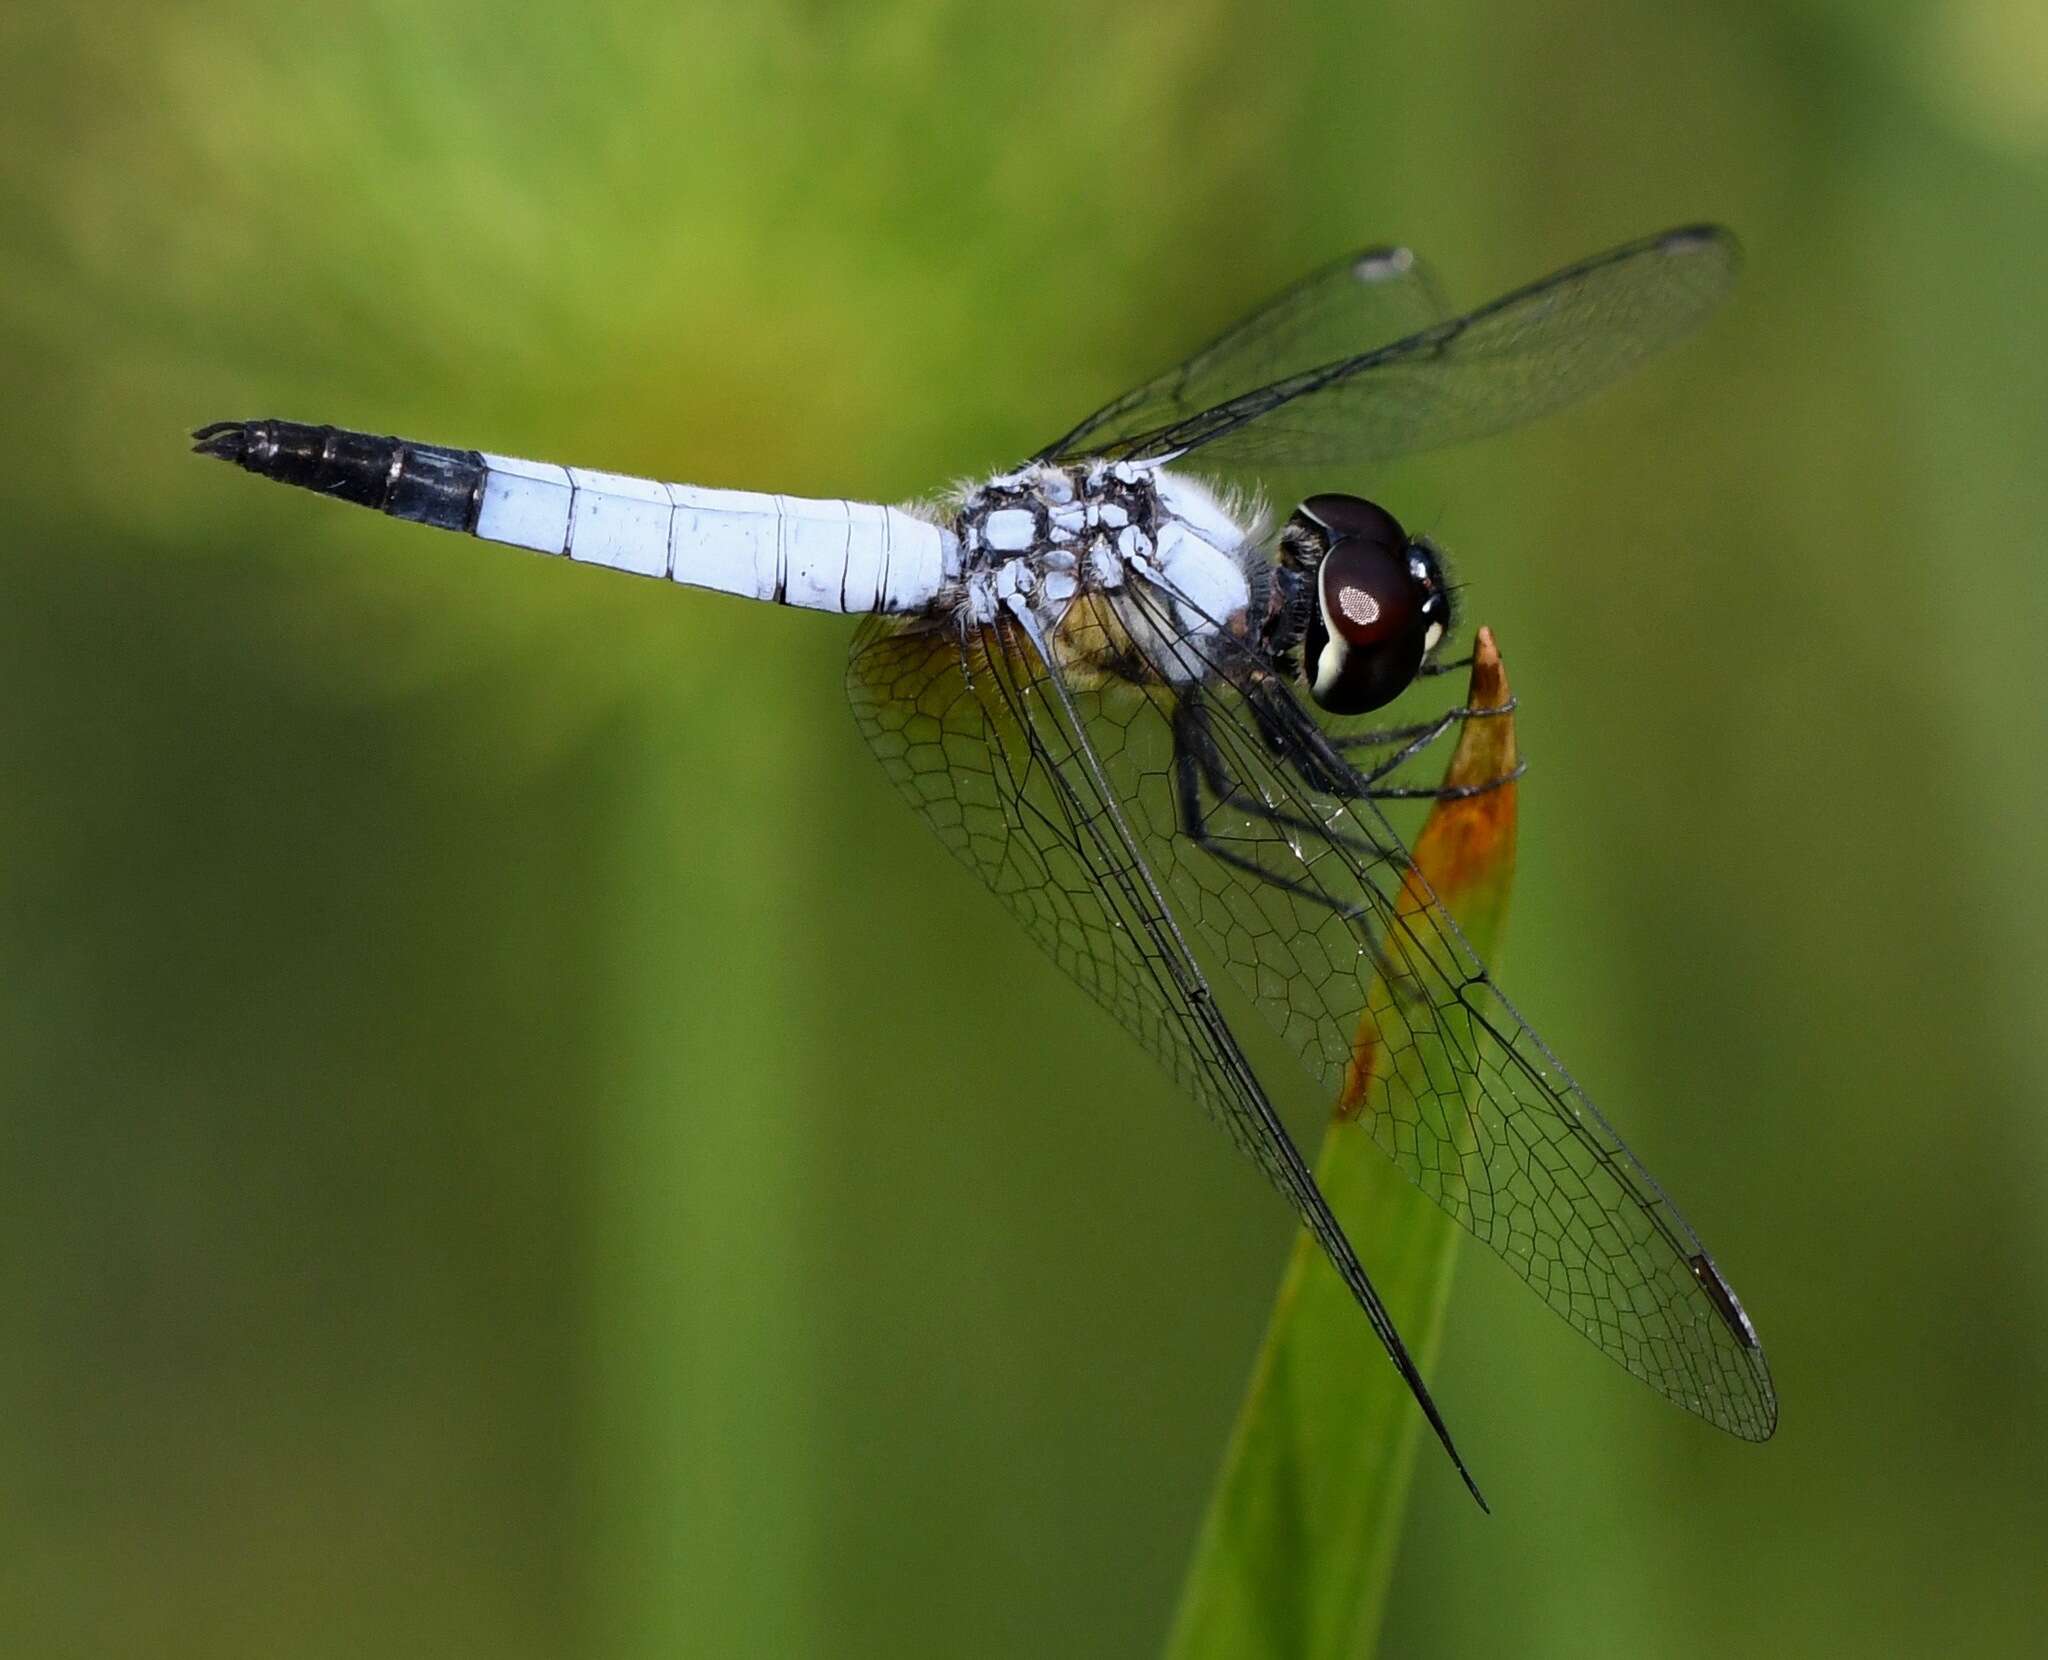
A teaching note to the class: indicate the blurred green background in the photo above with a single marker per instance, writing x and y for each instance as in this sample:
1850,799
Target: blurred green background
514,1143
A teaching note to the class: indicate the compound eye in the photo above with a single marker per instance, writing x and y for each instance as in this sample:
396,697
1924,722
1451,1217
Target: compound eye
1341,518
1369,634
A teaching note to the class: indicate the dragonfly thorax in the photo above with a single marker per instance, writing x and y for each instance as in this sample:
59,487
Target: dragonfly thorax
1174,564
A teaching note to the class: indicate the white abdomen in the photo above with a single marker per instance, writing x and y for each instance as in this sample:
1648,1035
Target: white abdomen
822,555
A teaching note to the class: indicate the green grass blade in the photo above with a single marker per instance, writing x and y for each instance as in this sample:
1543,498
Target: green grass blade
1297,1549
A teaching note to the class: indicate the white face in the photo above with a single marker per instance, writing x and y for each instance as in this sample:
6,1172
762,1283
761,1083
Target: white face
1354,606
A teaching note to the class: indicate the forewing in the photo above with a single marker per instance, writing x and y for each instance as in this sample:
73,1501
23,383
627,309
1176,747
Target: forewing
1524,355
1373,295
1463,1096
977,735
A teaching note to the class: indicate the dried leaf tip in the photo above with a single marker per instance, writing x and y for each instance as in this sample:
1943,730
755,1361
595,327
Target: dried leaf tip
1486,751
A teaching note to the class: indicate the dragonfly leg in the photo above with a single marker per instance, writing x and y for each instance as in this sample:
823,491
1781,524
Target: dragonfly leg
1215,773
1301,743
1448,792
1379,737
1317,759
1198,761
1430,730
1417,739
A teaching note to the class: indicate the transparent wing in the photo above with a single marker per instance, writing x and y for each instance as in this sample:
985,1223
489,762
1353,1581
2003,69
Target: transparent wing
1375,294
1300,892
980,737
1525,354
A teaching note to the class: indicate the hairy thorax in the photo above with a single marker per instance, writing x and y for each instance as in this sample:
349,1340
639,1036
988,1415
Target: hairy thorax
1131,572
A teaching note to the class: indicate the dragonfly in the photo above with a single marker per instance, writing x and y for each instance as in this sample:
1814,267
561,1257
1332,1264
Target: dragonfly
1125,692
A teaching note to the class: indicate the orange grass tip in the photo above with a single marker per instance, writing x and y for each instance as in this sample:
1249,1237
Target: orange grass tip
1464,857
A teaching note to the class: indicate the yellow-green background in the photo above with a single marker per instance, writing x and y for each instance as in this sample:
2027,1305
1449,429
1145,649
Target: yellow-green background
513,1143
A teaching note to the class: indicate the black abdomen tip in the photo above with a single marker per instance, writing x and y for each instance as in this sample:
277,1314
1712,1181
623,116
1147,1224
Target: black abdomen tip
225,440
423,483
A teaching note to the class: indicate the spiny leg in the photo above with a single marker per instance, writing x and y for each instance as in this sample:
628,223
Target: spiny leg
1316,757
1198,760
1379,737
1291,737
1309,769
1413,740
1448,792
1215,772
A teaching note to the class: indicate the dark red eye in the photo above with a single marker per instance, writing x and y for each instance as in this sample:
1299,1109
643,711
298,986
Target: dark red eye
1343,517
1367,592
1372,621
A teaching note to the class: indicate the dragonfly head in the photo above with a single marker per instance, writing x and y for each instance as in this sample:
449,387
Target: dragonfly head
1373,601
